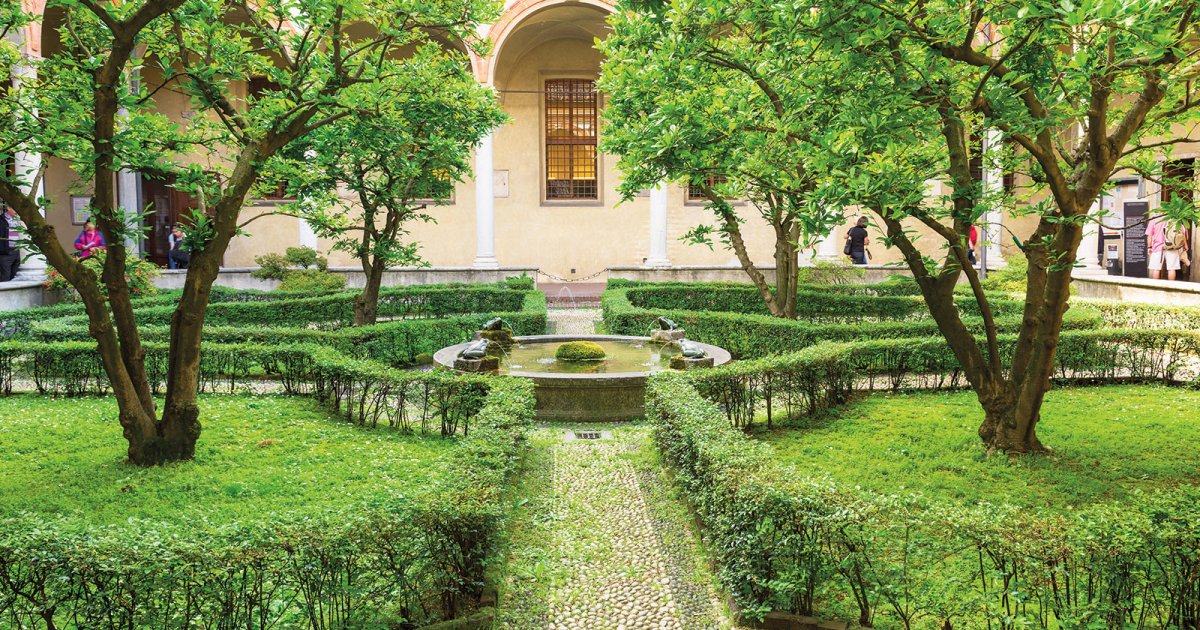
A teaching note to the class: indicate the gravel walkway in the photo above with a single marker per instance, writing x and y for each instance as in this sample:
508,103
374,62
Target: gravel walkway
573,321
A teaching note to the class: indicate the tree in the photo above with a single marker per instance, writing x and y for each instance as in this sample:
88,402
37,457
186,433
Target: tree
1082,90
700,96
410,150
92,106
902,92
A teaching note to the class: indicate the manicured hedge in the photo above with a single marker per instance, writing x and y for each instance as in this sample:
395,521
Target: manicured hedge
396,343
402,562
230,307
750,336
894,285
784,540
812,304
824,375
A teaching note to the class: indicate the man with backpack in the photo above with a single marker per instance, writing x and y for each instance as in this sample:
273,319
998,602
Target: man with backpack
1168,247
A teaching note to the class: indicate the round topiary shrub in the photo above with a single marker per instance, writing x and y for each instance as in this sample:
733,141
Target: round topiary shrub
579,351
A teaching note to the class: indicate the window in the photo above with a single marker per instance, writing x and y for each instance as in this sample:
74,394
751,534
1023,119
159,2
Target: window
571,139
256,88
694,191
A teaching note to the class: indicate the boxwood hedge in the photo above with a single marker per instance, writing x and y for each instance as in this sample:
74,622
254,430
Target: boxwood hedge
784,540
750,336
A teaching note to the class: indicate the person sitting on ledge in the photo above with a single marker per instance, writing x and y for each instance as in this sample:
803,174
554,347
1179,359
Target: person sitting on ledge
89,241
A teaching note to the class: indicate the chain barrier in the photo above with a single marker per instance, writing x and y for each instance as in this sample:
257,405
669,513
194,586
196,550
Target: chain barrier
583,279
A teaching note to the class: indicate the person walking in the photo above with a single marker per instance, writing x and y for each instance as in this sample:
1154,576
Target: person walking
972,243
179,255
857,241
10,258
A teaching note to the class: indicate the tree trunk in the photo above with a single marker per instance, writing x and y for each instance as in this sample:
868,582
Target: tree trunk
1012,427
366,304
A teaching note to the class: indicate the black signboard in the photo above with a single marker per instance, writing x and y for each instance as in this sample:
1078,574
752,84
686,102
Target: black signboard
1136,213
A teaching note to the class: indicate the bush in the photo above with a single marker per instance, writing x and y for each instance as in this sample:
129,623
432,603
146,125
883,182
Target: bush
579,351
280,266
1012,278
270,267
305,257
402,561
785,541
312,281
139,273
752,336
520,283
822,272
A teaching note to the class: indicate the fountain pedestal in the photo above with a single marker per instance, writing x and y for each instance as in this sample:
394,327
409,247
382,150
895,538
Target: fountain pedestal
486,364
667,336
685,363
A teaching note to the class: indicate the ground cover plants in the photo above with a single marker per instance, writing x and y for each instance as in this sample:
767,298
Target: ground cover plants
374,498
916,525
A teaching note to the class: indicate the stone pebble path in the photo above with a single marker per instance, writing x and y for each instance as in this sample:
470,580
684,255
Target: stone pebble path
619,577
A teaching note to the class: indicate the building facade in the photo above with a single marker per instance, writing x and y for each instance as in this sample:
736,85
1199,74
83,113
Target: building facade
543,195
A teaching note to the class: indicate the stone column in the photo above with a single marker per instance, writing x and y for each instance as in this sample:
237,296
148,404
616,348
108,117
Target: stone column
658,227
129,186
828,249
485,207
33,268
991,234
1087,261
307,237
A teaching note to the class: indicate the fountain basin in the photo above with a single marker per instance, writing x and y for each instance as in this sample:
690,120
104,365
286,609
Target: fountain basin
613,389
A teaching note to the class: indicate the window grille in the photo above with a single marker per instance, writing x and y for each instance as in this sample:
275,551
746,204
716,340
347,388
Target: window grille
695,193
571,139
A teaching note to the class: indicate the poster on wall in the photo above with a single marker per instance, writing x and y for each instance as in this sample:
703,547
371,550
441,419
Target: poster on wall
1136,216
81,209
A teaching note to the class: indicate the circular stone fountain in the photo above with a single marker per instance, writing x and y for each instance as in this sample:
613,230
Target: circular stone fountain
613,388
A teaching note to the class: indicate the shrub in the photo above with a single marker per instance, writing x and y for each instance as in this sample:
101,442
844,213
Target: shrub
786,541
822,272
1010,279
139,273
270,267
520,283
579,351
752,336
312,281
279,266
305,257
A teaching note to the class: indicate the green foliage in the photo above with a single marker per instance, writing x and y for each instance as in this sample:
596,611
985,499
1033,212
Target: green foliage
579,351
416,555
833,317
923,442
305,257
827,273
406,150
139,277
312,281
271,266
1011,279
283,267
520,283
787,541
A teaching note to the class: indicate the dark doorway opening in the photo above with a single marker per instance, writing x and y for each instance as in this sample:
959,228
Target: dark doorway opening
165,207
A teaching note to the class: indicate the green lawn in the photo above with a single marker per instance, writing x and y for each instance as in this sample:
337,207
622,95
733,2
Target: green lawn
1109,442
257,456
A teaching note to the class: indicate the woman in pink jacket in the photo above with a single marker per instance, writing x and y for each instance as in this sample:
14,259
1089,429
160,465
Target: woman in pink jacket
89,241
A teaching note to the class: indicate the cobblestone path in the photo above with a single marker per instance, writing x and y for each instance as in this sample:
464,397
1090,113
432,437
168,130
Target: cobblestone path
610,558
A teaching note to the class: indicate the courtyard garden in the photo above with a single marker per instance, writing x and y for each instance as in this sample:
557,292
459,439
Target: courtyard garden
958,442
833,470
